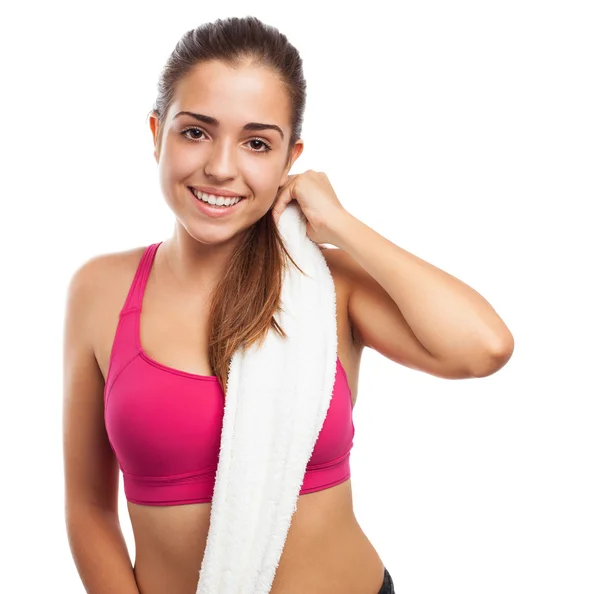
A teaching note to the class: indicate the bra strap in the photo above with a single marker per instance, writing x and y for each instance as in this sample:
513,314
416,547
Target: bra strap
136,290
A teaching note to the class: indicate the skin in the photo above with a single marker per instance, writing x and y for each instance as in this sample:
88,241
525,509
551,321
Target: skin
221,157
326,551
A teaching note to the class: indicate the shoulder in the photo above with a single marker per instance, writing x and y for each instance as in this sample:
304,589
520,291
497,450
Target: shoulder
101,280
336,262
334,258
344,269
94,274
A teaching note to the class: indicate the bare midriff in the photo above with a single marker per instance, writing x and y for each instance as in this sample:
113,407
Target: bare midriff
326,551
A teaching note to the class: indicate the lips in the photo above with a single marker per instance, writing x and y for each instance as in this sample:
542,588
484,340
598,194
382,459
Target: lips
193,191
216,193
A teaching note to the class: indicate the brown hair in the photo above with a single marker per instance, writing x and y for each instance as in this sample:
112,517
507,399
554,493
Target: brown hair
247,296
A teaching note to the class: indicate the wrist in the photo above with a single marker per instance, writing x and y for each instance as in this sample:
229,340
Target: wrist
342,228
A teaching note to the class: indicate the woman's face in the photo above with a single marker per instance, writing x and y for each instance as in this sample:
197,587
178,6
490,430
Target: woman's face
224,155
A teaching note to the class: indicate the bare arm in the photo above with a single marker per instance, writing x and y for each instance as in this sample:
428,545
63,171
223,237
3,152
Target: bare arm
100,552
91,472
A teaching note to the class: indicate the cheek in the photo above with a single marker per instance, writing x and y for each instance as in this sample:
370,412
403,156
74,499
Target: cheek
261,179
178,163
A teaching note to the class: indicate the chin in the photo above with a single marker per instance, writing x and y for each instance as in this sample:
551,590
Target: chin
211,236
208,234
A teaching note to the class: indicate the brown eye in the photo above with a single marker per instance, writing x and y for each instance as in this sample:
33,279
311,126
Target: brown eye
195,129
267,147
184,132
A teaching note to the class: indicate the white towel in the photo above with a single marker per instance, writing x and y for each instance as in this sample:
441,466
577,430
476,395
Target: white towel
277,397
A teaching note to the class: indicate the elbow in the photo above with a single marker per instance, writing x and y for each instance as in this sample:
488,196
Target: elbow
497,356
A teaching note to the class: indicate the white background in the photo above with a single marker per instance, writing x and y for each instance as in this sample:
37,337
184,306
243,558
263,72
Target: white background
466,133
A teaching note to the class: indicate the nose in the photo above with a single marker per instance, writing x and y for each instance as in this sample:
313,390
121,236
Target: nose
221,161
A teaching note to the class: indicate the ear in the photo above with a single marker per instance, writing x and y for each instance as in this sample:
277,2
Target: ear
296,152
154,128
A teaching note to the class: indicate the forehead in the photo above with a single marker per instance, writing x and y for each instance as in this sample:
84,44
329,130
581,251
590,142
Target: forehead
233,95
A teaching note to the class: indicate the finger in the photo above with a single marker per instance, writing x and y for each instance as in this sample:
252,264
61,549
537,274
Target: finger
281,203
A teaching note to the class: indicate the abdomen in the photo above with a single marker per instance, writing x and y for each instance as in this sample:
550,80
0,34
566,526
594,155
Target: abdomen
326,551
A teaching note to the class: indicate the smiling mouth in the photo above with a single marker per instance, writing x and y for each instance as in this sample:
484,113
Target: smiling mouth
199,196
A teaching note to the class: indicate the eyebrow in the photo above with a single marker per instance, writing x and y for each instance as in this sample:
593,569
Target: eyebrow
254,126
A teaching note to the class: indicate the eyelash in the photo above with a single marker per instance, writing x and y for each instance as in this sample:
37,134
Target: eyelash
267,145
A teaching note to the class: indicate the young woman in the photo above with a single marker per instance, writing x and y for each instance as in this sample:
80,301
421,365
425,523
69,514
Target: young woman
149,332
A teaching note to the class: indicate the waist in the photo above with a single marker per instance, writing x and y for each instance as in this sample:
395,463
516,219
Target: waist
325,546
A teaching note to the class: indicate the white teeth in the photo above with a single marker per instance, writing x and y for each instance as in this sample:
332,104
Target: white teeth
216,200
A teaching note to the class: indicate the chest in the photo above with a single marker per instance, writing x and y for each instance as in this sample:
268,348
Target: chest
173,331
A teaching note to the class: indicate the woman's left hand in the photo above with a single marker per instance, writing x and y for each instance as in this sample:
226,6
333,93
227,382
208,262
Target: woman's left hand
318,202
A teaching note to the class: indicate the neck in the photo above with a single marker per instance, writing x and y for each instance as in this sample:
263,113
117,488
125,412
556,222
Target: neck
195,265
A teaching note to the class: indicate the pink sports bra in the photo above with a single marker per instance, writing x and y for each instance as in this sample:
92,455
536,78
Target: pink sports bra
164,425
